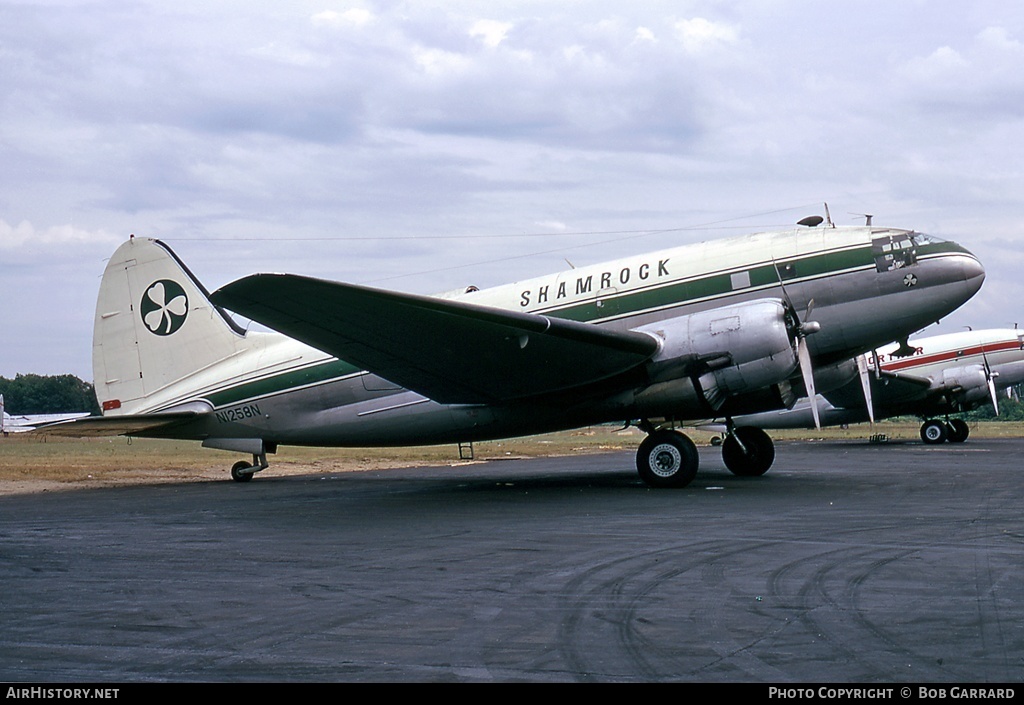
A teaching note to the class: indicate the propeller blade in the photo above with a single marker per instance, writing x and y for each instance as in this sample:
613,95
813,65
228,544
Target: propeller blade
804,354
785,295
865,383
990,376
992,392
801,329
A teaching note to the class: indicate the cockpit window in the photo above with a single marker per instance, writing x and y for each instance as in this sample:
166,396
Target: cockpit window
923,239
895,250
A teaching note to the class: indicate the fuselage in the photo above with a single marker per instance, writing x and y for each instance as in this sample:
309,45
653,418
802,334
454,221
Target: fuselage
864,286
1000,348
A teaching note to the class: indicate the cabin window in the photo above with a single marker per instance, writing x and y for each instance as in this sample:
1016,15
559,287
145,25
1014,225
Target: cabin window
740,280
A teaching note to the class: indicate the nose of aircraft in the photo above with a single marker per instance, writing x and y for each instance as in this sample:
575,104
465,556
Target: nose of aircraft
974,272
959,276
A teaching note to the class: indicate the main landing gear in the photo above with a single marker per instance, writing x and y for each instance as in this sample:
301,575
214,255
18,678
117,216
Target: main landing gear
668,458
748,451
934,431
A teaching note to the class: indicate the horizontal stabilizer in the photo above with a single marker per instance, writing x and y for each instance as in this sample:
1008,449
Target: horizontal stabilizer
450,351
141,425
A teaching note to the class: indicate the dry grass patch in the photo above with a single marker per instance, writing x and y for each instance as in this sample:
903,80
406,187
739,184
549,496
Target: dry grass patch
31,463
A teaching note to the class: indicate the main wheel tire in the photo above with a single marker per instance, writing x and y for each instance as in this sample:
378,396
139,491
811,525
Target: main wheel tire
667,459
238,473
751,459
933,432
957,431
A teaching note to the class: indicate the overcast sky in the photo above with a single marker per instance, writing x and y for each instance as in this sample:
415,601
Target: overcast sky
425,146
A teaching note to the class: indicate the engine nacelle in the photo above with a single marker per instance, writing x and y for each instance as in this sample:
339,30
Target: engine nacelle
835,376
967,386
735,349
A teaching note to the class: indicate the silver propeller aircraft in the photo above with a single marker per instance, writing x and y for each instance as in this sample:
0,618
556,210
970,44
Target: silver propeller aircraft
19,423
719,328
925,377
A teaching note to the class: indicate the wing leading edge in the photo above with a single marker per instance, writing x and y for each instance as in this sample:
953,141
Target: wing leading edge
450,351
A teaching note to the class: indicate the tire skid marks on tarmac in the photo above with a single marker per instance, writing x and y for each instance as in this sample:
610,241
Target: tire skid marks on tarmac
834,599
992,631
640,603
831,605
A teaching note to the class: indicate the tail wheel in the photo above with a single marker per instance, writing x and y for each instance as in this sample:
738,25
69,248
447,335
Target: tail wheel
667,459
748,452
238,471
934,432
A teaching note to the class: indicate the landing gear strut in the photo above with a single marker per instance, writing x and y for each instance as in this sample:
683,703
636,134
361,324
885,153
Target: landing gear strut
957,430
748,451
667,458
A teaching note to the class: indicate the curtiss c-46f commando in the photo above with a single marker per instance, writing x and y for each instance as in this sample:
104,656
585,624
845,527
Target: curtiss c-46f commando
715,329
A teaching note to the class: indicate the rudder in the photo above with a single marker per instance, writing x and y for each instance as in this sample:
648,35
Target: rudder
155,325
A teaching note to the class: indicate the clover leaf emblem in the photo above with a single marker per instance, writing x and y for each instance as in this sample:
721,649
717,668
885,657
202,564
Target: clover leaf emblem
164,307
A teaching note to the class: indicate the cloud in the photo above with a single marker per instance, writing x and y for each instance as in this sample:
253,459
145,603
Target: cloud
60,240
980,78
490,32
355,17
698,34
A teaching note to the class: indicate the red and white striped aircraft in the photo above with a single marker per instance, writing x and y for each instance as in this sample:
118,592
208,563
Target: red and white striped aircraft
927,377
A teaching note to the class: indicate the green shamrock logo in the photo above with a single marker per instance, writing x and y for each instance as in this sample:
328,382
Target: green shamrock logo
164,307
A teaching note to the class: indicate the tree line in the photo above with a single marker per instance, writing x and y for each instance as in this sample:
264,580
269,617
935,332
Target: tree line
1010,408
38,394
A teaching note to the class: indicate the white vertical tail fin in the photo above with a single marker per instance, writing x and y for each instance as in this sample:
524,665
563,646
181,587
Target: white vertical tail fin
155,325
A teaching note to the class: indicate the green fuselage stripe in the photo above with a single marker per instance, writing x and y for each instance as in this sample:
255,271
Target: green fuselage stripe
326,371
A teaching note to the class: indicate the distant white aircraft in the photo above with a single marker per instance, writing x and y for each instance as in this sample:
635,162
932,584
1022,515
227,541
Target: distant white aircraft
925,377
716,328
19,424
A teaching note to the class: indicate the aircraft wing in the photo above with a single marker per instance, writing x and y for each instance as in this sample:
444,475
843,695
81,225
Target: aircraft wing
888,390
450,351
141,425
30,422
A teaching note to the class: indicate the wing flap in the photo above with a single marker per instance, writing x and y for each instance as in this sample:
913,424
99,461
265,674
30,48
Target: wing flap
450,351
